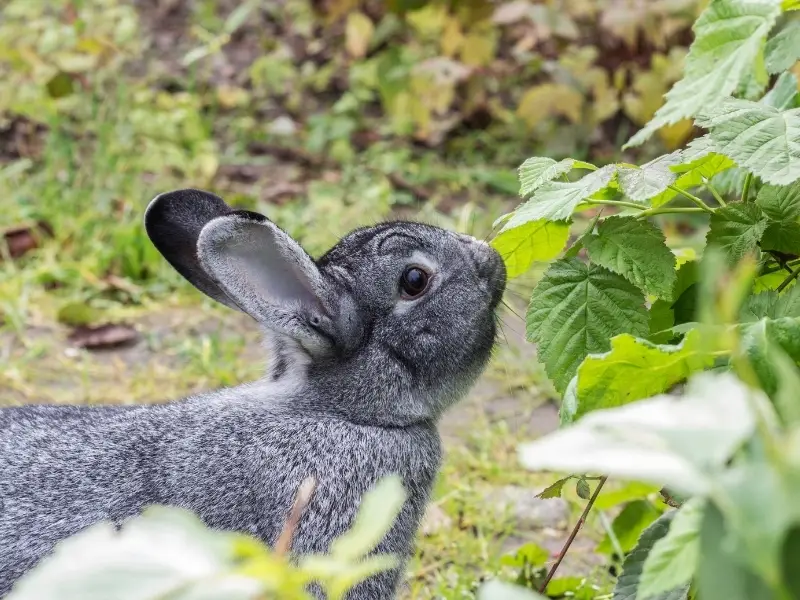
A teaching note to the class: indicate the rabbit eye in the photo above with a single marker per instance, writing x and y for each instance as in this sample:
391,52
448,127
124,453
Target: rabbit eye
413,282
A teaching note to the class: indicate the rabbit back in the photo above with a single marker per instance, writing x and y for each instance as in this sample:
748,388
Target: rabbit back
236,466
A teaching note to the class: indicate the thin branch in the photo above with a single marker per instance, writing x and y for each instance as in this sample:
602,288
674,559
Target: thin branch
572,535
301,500
693,198
792,276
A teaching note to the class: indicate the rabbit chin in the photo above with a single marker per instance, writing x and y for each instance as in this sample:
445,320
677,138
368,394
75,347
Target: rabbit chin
367,389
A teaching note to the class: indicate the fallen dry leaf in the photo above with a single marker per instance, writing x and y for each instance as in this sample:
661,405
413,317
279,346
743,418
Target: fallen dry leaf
103,337
21,239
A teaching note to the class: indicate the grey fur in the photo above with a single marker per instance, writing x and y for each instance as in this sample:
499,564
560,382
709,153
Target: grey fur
357,381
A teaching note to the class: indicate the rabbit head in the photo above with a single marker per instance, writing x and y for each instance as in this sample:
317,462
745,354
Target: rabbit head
390,326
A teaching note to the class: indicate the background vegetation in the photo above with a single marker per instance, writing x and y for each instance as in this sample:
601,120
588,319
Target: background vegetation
330,114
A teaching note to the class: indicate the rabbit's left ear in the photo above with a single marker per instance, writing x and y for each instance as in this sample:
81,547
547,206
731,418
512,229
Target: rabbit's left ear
268,275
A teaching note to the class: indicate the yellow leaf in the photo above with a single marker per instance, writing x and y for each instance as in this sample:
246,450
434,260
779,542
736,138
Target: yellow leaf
338,8
358,34
429,21
548,100
675,135
479,46
452,37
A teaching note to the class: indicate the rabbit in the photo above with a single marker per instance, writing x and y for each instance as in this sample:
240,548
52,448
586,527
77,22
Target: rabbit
367,346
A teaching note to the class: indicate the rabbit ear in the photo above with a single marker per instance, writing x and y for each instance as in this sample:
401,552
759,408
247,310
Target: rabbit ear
173,222
267,274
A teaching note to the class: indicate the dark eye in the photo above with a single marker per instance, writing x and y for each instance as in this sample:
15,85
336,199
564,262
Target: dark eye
413,282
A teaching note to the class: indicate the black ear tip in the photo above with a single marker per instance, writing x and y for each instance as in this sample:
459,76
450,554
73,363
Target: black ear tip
182,206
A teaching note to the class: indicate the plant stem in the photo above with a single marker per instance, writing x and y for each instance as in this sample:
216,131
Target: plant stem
746,187
615,203
662,210
572,535
792,276
693,198
715,193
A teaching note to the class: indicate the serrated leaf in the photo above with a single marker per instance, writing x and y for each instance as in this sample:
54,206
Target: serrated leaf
627,587
522,245
538,170
651,179
554,489
729,35
780,203
783,94
782,237
772,305
556,200
634,369
666,440
699,163
736,229
783,50
672,560
757,137
636,250
757,341
575,309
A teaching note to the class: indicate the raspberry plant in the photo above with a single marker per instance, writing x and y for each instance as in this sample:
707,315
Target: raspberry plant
620,318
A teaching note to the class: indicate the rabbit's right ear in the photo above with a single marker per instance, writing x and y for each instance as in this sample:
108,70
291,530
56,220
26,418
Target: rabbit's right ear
173,222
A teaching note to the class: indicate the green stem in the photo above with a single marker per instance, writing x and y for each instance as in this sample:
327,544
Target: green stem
715,193
668,210
792,276
693,198
614,203
746,187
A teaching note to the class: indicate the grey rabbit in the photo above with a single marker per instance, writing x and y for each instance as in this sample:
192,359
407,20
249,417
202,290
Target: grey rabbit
368,345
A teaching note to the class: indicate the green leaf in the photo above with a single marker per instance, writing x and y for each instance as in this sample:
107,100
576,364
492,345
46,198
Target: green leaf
772,305
699,164
521,246
582,489
671,441
575,309
629,525
165,552
379,509
633,490
783,50
499,590
736,229
663,314
634,369
528,554
789,553
636,250
538,170
554,489
780,203
729,35
783,94
757,342
651,179
627,587
720,576
782,237
672,560
757,137
78,313
556,200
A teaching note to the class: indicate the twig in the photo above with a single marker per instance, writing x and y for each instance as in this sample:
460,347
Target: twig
301,500
792,276
572,535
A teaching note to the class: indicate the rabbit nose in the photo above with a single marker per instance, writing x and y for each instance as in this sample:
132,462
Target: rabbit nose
488,262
